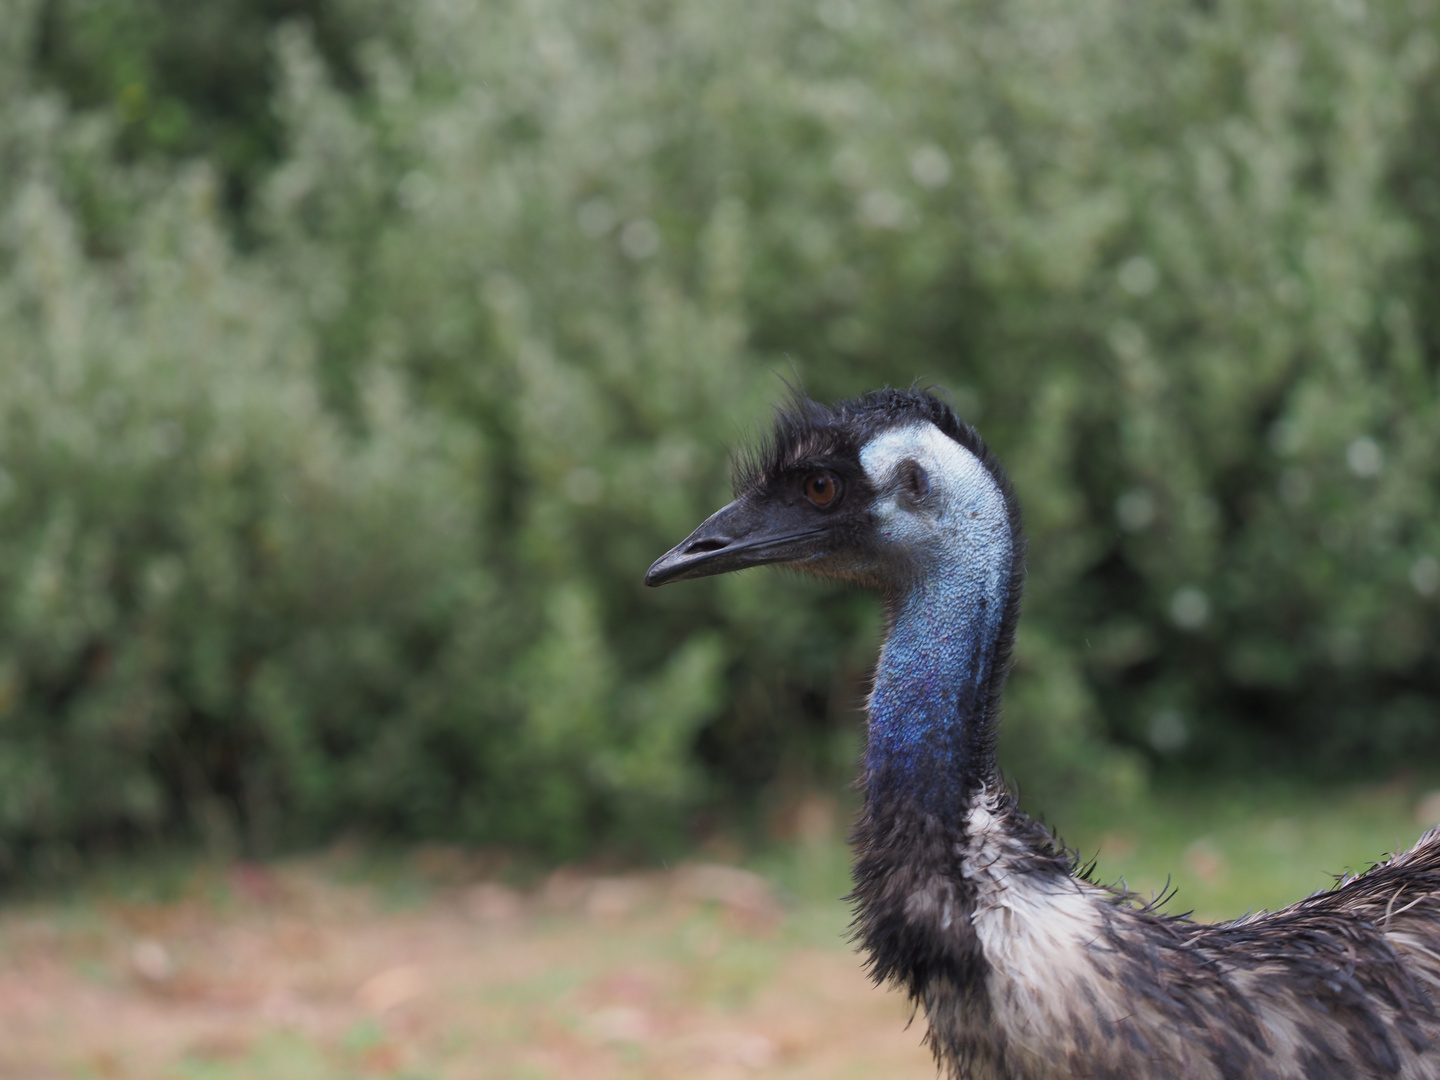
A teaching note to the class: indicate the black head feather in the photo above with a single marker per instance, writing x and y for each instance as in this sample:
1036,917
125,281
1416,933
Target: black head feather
807,433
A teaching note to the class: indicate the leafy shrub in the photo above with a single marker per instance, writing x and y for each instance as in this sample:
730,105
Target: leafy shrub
227,607
1161,257
349,527
180,80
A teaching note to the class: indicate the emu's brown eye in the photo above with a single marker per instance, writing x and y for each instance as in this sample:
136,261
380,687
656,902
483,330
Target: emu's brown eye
822,488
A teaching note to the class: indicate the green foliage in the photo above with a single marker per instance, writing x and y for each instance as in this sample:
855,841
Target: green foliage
349,527
182,79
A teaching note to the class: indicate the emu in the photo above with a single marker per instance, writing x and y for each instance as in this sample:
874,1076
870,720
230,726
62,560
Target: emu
1024,967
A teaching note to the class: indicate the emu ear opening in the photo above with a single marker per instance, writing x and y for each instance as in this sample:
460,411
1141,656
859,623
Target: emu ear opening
916,481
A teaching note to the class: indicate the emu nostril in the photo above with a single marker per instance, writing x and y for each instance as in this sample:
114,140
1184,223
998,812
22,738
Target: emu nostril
700,547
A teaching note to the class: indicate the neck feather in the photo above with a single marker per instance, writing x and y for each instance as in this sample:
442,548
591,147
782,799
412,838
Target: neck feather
931,741
929,759
930,763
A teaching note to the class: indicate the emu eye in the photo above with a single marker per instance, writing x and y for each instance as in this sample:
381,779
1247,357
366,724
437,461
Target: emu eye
822,488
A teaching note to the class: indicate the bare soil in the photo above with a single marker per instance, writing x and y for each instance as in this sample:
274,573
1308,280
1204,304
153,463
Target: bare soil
294,971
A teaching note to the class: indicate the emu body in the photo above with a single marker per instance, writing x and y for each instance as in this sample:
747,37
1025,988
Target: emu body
1025,969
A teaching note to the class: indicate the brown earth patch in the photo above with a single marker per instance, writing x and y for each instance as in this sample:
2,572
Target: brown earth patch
286,972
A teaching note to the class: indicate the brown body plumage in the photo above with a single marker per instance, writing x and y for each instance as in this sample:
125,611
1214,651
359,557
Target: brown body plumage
1029,972
1025,969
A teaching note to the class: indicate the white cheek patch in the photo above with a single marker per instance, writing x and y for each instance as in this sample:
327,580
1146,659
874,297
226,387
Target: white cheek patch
964,498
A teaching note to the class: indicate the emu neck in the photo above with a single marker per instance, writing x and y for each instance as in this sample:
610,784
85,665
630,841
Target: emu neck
930,742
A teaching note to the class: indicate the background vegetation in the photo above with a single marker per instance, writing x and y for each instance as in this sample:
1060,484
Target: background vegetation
357,357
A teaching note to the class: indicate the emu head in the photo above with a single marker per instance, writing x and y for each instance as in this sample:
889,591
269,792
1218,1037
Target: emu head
888,490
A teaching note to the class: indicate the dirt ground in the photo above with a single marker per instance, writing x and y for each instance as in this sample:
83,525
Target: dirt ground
295,971
427,965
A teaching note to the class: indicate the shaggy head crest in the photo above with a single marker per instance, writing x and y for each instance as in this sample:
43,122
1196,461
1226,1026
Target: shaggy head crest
808,434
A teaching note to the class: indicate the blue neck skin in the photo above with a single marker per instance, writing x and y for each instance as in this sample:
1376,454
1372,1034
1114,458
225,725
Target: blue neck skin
926,742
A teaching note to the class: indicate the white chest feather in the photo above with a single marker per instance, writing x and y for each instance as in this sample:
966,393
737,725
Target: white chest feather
1041,934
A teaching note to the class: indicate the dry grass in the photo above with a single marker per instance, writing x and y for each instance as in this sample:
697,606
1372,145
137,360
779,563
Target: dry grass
430,965
288,971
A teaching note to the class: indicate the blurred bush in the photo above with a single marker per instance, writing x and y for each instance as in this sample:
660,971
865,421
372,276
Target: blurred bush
181,79
344,524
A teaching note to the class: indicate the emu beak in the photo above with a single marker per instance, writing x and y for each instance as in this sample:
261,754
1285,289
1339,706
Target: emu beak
734,537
